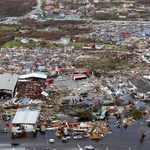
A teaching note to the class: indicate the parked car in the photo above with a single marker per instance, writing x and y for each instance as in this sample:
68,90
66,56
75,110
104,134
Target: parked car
15,144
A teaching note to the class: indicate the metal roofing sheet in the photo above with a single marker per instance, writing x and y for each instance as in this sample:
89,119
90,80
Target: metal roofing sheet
19,117
14,148
28,117
36,75
25,100
31,117
8,81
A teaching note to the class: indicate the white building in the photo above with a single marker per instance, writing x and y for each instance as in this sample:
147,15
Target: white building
34,16
25,120
98,46
86,46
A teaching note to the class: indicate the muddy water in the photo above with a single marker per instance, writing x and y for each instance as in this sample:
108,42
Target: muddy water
122,138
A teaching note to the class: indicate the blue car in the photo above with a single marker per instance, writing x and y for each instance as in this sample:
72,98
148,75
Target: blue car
15,144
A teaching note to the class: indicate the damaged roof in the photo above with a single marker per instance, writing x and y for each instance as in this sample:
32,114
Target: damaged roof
142,84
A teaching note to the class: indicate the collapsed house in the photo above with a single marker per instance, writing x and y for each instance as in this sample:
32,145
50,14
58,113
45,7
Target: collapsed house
32,86
141,86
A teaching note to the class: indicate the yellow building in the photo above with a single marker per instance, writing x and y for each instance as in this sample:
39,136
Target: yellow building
127,5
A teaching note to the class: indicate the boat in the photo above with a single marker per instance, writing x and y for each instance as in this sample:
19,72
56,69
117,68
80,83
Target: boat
118,122
118,126
64,139
148,121
109,131
102,135
79,136
75,137
51,140
89,147
125,124
68,137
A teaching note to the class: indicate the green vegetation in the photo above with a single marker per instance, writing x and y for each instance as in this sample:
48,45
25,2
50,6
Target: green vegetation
117,48
105,65
8,28
82,115
17,32
110,104
135,113
18,43
105,46
81,111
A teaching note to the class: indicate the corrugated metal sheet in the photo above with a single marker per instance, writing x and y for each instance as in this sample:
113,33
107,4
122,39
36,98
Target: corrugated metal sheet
25,117
19,148
8,81
36,75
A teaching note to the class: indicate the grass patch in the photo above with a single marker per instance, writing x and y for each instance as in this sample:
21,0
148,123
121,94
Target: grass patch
117,48
17,32
8,28
107,46
104,63
18,43
136,114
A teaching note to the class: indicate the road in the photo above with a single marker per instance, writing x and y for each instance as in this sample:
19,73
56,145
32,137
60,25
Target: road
107,21
39,10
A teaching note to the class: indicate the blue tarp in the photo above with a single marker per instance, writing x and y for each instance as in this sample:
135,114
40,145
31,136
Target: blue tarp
25,100
26,70
147,34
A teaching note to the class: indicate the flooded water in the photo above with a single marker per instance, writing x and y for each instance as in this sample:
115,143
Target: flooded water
128,97
122,138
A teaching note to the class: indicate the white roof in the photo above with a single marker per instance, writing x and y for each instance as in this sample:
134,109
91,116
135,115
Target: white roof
44,93
147,77
36,75
8,81
26,117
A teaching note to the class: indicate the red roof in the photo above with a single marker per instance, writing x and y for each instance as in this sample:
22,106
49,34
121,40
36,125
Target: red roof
80,64
125,33
48,7
77,76
74,124
49,81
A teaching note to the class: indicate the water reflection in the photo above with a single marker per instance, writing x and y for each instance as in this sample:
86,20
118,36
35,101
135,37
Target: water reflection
142,140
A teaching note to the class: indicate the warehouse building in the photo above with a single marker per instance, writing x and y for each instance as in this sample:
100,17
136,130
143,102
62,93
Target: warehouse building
32,76
25,120
8,83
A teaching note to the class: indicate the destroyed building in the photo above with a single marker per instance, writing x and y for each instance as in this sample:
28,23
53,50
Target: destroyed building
140,86
8,83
